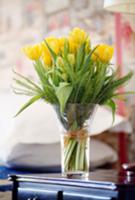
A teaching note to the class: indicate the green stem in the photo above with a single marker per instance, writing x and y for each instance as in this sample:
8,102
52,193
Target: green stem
69,154
72,160
82,154
77,156
67,148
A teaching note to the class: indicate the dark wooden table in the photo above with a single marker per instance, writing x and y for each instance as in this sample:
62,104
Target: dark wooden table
101,185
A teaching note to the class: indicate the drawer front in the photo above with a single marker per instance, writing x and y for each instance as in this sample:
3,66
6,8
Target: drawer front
41,191
28,194
85,197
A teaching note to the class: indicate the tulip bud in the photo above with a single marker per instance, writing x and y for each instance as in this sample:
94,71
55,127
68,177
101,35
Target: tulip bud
60,62
71,59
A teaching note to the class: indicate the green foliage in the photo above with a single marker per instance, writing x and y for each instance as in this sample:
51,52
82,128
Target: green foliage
63,92
112,105
85,81
31,101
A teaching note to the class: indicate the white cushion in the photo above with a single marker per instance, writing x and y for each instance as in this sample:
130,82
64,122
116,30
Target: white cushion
101,153
37,124
45,155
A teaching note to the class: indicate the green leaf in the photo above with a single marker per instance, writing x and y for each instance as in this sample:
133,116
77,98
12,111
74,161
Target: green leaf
40,72
24,85
53,54
23,91
49,95
69,71
88,63
99,79
31,101
66,48
82,82
112,105
123,93
80,56
111,86
122,80
28,81
63,93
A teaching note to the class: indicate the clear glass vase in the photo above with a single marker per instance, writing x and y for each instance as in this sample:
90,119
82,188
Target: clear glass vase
75,129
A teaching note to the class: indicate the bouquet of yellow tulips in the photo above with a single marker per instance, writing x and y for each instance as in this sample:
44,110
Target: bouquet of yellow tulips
71,71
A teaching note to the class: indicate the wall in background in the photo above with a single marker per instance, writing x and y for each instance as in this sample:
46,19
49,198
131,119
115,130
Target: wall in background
27,21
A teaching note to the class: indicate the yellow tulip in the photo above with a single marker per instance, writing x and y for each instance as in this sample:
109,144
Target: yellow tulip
45,50
77,37
72,45
47,59
53,44
33,52
103,52
62,41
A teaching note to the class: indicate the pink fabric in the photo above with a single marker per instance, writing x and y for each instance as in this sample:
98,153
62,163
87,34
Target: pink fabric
121,105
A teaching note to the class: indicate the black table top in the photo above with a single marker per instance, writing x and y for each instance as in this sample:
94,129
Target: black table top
109,179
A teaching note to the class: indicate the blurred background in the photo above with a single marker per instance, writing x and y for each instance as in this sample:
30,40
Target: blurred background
29,21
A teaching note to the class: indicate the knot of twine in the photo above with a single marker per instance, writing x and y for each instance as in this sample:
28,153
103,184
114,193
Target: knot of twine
78,134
